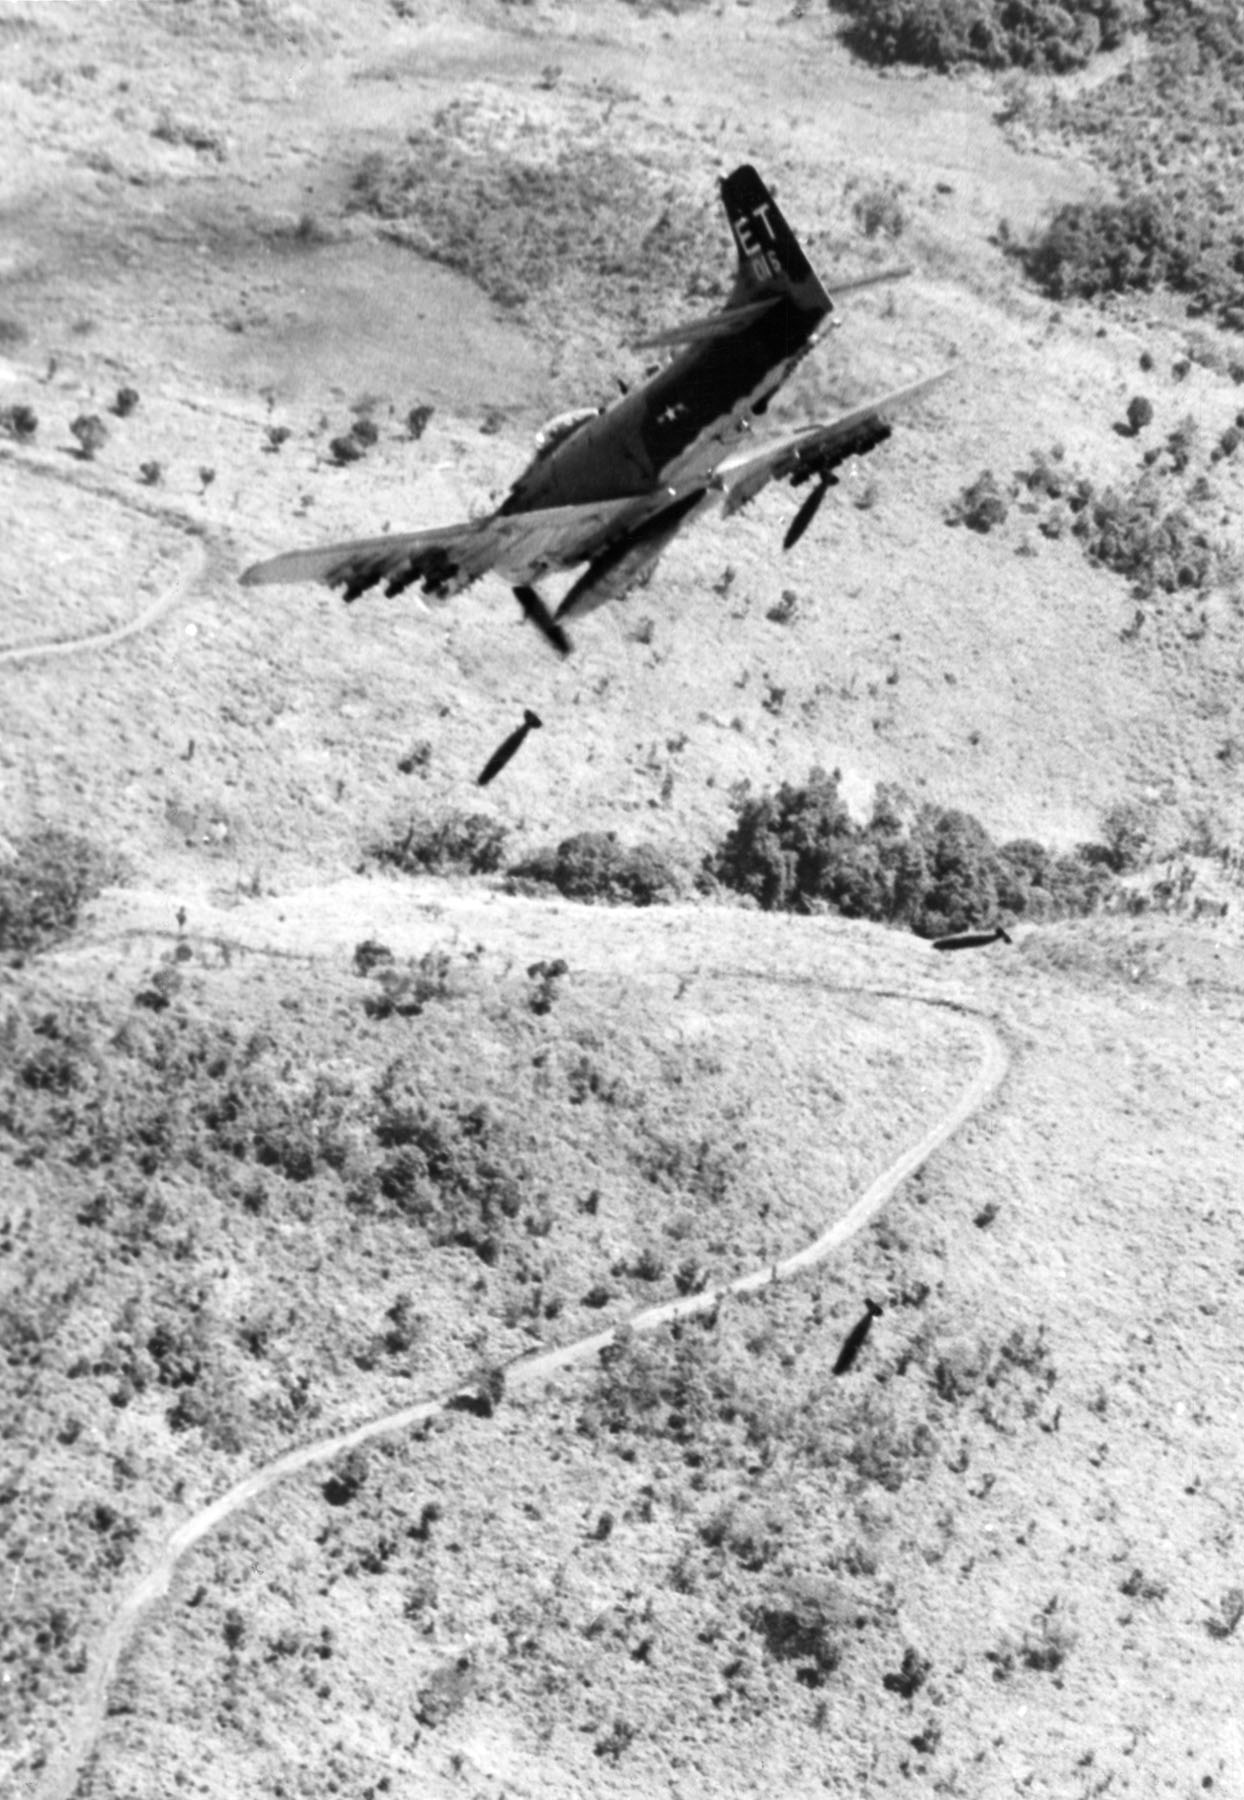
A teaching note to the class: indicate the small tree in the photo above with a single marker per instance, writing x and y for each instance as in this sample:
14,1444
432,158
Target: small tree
1125,832
1139,413
91,433
51,875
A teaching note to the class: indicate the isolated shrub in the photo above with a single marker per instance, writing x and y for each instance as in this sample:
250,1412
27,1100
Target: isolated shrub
1224,1622
982,504
910,1676
1139,412
1049,1640
594,866
43,886
802,1623
20,422
469,842
878,209
91,433
369,954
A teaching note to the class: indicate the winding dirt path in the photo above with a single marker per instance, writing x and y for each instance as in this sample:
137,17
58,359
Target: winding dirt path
169,597
526,1371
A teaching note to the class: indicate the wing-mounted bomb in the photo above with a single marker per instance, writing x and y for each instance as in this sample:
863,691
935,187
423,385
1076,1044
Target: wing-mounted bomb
809,506
820,466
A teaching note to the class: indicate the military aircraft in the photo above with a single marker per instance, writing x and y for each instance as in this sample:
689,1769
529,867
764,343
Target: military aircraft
609,487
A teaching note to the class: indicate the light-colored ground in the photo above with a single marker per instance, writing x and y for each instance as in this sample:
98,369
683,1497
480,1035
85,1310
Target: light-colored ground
244,751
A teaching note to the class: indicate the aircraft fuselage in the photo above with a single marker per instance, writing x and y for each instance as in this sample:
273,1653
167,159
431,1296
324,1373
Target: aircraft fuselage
669,434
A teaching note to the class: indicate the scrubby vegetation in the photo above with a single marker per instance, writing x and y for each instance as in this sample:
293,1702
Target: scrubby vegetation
449,843
591,212
1161,540
998,34
932,868
594,866
44,883
760,1552
982,504
1158,529
19,421
261,1193
1169,132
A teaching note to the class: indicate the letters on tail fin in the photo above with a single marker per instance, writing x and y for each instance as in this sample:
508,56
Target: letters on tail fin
771,261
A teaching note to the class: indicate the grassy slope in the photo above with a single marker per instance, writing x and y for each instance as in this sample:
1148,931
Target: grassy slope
942,1500
955,664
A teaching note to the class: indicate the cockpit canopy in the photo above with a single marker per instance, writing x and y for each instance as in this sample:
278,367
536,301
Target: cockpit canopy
559,429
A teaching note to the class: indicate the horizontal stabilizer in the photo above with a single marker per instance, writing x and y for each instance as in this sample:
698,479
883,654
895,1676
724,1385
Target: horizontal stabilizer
698,331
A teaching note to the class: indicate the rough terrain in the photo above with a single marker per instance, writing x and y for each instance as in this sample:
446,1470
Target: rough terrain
1003,1556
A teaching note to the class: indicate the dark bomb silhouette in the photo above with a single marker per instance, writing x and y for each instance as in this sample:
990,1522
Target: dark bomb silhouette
853,1343
971,940
502,754
540,616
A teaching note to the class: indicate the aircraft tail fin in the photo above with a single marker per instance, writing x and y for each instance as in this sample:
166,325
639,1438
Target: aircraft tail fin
771,260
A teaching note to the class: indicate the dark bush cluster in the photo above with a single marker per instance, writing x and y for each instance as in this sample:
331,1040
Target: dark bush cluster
20,422
140,1106
44,884
803,1623
1169,131
407,989
1133,529
936,871
450,1169
470,843
983,504
998,34
594,866
1162,236
683,1391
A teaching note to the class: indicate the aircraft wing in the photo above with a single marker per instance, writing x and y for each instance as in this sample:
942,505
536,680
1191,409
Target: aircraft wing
815,449
519,546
